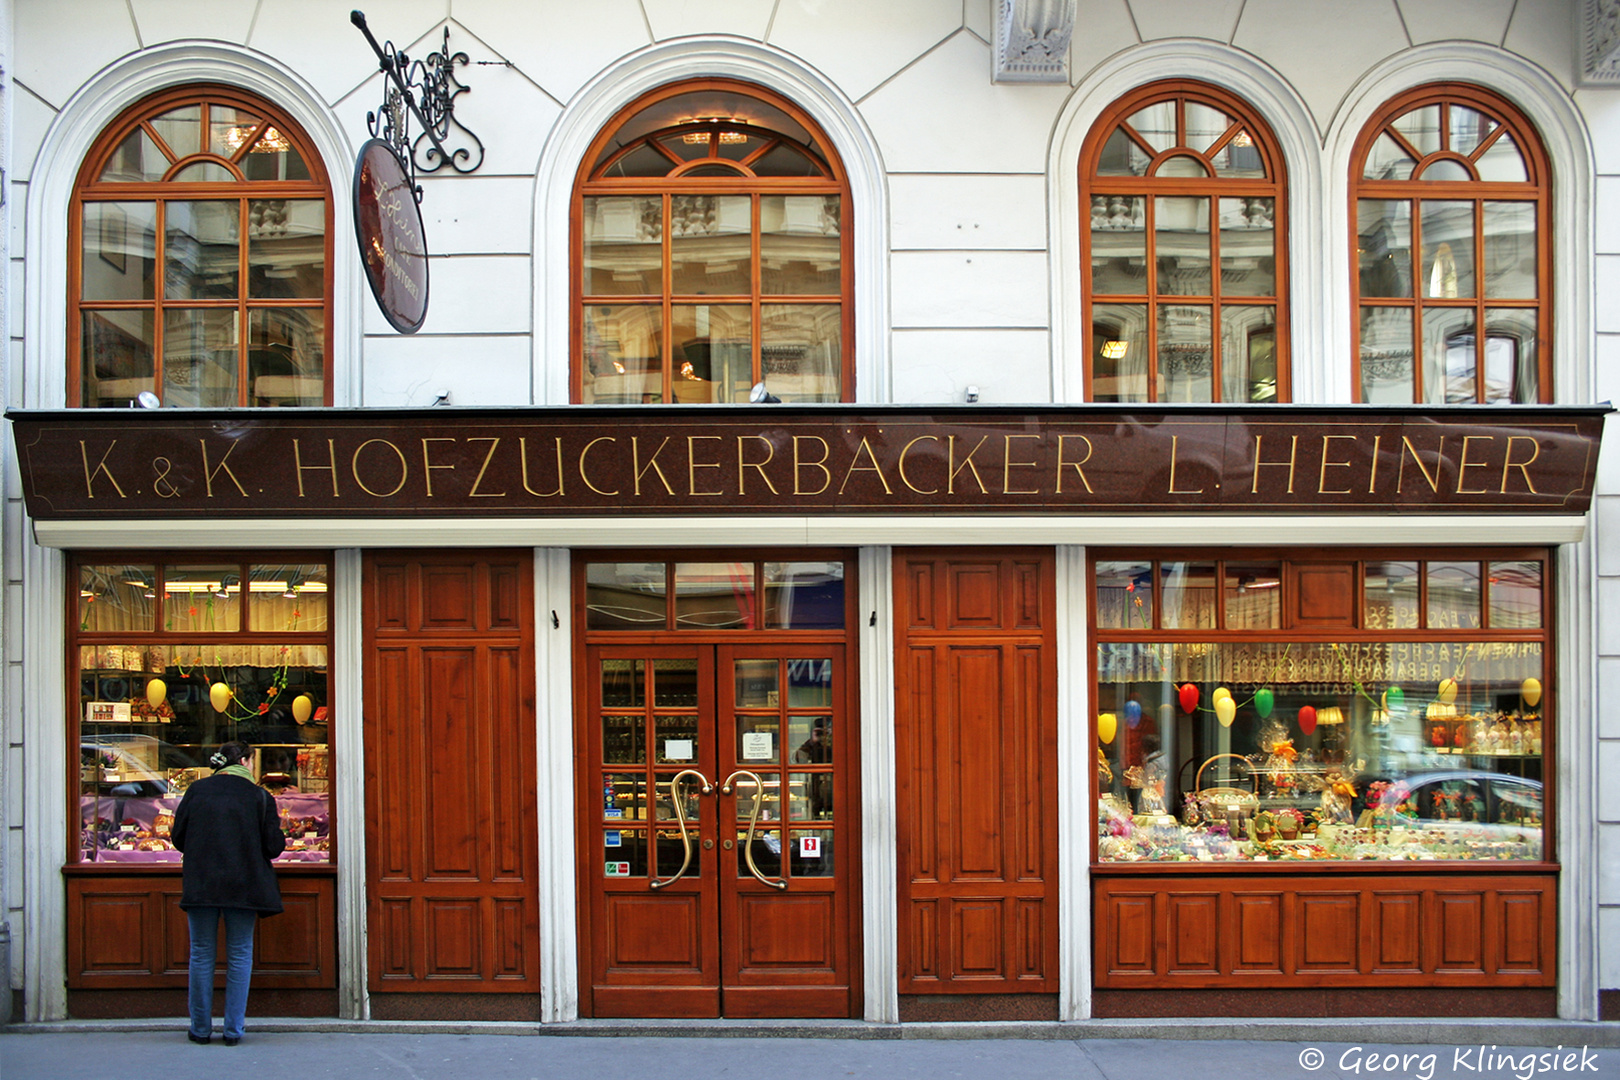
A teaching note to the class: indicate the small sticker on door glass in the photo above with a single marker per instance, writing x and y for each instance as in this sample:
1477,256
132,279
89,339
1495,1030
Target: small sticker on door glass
613,812
618,869
809,847
678,749
612,838
756,746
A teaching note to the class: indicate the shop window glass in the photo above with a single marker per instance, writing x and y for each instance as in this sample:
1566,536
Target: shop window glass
202,332
1253,595
1124,595
1186,193
715,291
805,595
1245,746
1452,233
164,678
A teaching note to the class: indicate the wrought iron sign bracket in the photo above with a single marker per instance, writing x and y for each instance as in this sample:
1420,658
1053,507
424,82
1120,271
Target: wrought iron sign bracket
427,89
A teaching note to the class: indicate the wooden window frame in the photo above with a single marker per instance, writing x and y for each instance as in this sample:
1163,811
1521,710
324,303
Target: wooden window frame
590,183
88,188
1274,186
1289,558
1537,188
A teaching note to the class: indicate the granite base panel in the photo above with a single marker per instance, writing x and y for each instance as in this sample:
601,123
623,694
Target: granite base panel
1534,1002
954,1008
519,1008
134,1004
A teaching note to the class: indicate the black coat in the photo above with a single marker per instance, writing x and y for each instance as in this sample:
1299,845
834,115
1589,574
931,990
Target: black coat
229,830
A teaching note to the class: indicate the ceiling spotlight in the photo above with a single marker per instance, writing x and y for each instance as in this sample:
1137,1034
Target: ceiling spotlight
761,396
148,400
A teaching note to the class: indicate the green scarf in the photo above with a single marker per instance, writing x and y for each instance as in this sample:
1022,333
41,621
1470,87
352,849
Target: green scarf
237,770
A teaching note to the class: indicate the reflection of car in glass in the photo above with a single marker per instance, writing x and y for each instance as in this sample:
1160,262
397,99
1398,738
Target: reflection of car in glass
1470,803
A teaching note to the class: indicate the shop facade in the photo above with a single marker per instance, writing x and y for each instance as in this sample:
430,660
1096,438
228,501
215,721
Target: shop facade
797,567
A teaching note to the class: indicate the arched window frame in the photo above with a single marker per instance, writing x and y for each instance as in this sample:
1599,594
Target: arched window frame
88,188
1148,186
1537,188
686,179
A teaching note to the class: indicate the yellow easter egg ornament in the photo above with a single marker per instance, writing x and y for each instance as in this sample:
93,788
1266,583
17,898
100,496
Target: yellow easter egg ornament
1530,690
1220,692
1225,710
219,696
1448,691
157,692
302,708
1107,725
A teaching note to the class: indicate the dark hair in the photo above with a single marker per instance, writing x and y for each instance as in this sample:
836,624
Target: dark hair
230,754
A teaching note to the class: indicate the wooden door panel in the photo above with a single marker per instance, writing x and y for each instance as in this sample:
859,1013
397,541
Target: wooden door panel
1194,936
1127,931
1396,932
1460,920
1328,932
450,772
787,931
1521,917
1259,932
975,740
665,931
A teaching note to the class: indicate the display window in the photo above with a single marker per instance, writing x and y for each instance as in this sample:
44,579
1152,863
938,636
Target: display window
174,656
1345,707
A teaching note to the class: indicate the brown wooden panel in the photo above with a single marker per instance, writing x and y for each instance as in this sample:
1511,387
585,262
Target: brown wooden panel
1329,931
1396,920
506,611
974,595
390,833
1519,942
456,765
654,930
450,597
290,941
503,681
392,929
1129,929
977,938
975,738
512,960
1194,934
1459,931
1324,595
392,597
1259,928
454,937
117,922
795,930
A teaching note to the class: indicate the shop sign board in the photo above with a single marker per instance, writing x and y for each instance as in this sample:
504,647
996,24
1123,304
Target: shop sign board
807,460
393,242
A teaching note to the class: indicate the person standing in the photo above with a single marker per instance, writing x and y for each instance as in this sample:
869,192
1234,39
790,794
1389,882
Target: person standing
228,830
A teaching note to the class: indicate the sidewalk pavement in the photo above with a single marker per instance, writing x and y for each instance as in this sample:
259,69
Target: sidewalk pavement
1095,1050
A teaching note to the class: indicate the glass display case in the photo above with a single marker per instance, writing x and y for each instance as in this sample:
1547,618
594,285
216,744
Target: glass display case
1229,730
174,660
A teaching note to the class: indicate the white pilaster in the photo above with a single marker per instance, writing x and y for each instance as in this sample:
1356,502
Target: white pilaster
347,733
554,801
880,883
1074,770
44,779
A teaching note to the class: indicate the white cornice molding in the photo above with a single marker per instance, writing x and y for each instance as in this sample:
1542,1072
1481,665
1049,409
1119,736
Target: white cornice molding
1297,135
68,139
712,56
1032,41
1600,43
1110,529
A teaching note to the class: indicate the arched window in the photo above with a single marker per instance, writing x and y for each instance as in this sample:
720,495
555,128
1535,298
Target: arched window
1452,248
200,257
1185,279
711,252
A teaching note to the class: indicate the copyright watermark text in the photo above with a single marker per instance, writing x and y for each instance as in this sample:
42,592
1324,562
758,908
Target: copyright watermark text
1465,1060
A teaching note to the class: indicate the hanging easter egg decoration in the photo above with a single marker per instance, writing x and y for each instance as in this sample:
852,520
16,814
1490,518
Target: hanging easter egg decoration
1188,695
1307,719
302,708
1530,690
1448,691
1394,699
1225,710
1133,712
1264,701
1220,692
1167,715
219,696
157,692
1107,724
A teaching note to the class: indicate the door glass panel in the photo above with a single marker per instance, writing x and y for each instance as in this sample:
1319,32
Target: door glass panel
767,852
624,796
812,854
677,740
624,684
675,683
810,683
756,682
624,853
1453,595
758,739
689,793
804,595
624,596
1515,595
811,739
714,596
1390,595
671,850
769,796
622,741
810,796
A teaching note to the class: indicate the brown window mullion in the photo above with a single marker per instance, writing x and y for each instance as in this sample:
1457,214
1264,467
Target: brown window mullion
1150,215
666,353
242,289
160,241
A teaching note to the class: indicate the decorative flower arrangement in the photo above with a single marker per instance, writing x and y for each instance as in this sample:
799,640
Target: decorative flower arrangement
1265,824
1289,822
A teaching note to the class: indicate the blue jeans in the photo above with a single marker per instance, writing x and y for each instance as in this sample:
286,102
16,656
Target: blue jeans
239,967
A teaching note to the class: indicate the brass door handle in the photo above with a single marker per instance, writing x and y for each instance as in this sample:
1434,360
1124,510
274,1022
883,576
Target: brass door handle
753,820
680,816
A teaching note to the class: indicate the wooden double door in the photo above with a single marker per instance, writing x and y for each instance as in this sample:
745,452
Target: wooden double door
716,834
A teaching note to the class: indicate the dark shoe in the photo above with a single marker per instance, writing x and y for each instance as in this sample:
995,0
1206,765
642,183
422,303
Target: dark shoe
230,1041
201,1040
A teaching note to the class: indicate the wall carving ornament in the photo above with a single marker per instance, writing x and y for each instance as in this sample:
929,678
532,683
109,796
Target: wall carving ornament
1600,42
1032,40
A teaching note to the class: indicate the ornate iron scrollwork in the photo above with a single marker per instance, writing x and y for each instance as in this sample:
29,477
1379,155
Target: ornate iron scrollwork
426,89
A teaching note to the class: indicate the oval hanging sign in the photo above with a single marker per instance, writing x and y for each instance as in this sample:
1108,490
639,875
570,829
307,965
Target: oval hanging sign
393,244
